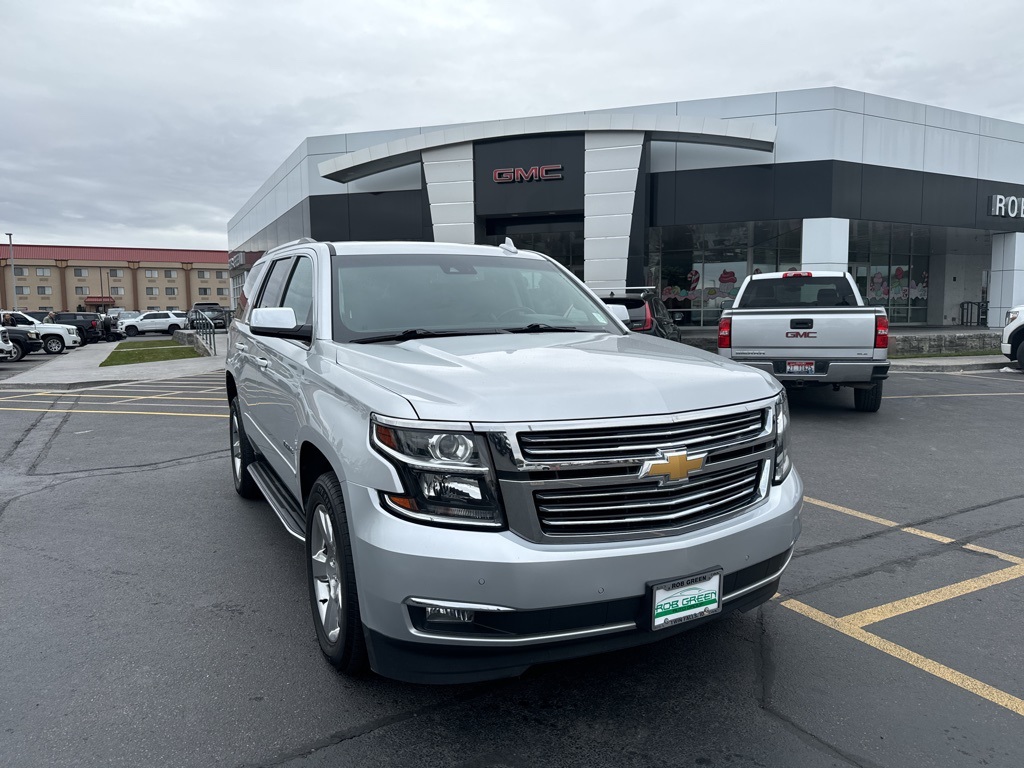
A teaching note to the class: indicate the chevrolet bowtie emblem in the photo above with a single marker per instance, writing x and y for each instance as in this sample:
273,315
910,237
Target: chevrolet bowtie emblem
673,467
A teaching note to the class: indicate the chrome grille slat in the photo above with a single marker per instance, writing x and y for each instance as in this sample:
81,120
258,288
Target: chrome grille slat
551,497
649,505
667,517
639,442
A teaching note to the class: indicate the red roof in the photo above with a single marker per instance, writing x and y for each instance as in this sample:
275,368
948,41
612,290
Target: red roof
99,253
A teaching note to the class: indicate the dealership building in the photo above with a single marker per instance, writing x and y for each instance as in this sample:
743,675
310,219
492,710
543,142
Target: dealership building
923,205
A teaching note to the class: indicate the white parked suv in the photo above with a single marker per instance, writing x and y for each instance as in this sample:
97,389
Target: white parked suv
1012,342
56,336
488,469
153,322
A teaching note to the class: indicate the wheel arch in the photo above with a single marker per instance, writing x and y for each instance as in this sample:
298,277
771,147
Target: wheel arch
313,462
1016,339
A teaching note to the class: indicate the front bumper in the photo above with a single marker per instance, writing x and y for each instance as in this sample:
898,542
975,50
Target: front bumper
550,601
1006,349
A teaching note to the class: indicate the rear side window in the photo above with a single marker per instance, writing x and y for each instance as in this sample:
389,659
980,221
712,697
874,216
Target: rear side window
795,292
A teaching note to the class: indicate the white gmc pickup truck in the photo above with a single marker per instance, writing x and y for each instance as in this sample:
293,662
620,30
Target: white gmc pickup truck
809,329
487,469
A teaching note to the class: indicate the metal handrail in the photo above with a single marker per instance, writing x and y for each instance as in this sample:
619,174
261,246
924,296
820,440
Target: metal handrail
202,325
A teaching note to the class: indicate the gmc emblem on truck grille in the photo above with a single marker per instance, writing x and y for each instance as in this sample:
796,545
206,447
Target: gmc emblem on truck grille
801,334
533,173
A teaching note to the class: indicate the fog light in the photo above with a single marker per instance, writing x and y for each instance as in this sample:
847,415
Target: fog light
450,615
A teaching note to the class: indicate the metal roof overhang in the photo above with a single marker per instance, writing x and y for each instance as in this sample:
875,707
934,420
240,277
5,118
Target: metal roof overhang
742,134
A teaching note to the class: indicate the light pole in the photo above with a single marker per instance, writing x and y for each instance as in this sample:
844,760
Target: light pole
10,258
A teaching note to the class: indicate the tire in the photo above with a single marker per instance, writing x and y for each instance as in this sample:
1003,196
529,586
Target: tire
242,455
131,330
868,400
53,345
18,353
172,328
333,596
1020,355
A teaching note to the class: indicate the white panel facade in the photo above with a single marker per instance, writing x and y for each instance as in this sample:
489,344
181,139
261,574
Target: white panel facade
825,244
450,169
1006,279
1001,160
825,135
893,143
815,99
951,152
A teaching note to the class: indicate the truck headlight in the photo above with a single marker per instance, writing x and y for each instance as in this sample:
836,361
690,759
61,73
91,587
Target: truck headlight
446,476
1011,315
782,461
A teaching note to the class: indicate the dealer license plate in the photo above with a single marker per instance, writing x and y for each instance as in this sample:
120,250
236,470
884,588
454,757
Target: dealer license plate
799,366
686,598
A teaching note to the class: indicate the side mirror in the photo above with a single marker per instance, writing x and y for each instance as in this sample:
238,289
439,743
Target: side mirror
279,322
619,312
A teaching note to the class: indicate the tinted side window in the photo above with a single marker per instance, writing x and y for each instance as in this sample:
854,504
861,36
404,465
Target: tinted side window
299,294
270,293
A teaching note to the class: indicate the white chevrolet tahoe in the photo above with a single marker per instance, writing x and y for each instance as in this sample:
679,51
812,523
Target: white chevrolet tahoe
488,470
1012,340
56,336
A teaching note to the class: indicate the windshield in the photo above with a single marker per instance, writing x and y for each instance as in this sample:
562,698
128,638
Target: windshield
377,297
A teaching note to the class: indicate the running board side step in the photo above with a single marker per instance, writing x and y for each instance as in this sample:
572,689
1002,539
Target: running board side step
288,512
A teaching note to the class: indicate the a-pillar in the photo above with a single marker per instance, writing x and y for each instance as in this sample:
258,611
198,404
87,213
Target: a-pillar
1006,279
825,245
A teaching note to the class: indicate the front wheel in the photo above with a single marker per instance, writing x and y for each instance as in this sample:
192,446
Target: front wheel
53,345
18,353
242,456
172,329
868,400
332,579
1020,355
131,330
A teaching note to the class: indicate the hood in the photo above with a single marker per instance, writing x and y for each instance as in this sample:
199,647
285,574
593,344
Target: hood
553,376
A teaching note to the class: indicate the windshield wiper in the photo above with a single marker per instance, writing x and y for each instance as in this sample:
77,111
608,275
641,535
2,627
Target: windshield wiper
542,328
419,333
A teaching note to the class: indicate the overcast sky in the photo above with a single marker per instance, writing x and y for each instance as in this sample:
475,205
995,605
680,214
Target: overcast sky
149,123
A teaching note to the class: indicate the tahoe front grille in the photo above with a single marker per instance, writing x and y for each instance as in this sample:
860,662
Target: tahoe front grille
639,442
648,506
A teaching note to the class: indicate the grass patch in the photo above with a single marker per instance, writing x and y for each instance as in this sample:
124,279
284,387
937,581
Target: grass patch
953,353
127,345
152,354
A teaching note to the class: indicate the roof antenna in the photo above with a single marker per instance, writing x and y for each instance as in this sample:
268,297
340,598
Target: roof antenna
508,246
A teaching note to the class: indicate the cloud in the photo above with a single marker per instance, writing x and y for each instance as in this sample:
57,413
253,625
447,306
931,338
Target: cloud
150,123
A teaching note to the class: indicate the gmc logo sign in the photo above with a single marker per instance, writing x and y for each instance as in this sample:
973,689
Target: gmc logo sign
534,173
801,334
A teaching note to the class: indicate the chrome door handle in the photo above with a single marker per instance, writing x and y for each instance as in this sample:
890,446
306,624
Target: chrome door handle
262,362
240,346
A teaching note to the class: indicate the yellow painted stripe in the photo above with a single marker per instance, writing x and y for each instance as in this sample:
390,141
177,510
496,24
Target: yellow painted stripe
941,671
928,535
852,512
995,553
932,597
118,413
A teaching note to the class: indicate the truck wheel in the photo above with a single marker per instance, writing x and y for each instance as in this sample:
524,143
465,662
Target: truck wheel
53,345
332,579
242,455
131,330
868,400
172,328
18,353
1020,355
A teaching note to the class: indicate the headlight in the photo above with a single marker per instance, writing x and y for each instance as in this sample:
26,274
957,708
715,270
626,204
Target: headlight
1011,315
32,335
446,476
782,462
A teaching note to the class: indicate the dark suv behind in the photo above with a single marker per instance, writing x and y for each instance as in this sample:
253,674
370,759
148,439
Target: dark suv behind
89,324
647,313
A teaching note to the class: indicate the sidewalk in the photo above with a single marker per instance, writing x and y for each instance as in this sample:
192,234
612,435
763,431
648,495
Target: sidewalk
81,368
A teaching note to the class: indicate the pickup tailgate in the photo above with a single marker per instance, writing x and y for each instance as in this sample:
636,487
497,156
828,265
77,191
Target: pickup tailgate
796,334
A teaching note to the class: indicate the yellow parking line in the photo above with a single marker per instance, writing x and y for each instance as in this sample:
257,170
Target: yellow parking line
928,535
852,512
995,553
985,691
965,394
932,597
118,413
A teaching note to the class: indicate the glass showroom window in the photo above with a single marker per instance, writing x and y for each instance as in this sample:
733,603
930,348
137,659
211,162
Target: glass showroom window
44,290
42,271
81,272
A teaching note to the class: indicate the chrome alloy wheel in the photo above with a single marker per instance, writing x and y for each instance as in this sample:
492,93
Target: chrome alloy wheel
326,572
236,446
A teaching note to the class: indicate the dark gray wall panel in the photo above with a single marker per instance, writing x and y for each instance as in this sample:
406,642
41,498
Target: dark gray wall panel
891,194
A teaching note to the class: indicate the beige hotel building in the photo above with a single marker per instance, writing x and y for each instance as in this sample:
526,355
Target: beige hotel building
95,279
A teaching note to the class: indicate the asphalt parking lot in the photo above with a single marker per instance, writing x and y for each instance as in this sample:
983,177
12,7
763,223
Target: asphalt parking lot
149,616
